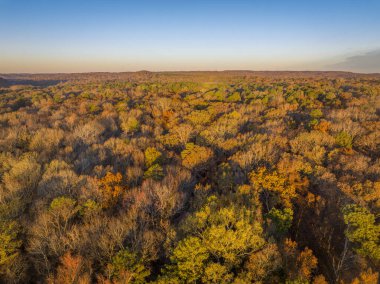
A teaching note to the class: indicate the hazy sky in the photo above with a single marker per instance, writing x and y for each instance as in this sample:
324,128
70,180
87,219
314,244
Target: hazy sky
116,35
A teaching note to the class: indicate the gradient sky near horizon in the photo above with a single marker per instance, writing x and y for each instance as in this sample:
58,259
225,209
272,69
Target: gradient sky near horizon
40,36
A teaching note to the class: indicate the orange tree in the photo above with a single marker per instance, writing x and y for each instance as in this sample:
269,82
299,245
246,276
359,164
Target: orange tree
111,189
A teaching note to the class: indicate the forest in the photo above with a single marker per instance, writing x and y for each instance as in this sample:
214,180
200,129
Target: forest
190,177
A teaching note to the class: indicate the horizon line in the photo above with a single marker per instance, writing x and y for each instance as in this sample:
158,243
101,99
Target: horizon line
188,71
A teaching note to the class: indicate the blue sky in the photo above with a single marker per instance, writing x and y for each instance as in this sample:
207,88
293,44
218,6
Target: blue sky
115,35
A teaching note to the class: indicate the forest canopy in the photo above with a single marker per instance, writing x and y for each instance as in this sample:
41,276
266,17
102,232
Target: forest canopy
229,177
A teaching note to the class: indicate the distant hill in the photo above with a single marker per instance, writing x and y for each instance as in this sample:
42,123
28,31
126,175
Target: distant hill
207,76
3,82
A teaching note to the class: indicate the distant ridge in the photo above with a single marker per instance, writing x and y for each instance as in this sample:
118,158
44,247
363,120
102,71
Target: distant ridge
207,76
3,82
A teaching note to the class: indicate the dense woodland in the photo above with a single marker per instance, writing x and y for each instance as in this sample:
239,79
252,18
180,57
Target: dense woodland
230,177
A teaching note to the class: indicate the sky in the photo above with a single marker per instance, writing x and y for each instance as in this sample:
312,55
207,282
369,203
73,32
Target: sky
46,36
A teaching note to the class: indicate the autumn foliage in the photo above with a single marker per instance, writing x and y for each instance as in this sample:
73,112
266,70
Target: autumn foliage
111,188
190,177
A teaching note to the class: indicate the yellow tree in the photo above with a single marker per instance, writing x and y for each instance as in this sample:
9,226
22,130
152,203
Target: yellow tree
9,245
276,188
111,189
152,156
195,156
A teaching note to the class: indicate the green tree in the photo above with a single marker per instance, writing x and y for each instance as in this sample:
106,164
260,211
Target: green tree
9,242
12,263
234,97
90,208
154,172
130,125
189,259
344,140
282,219
127,267
362,230
152,156
316,113
217,273
63,209
218,239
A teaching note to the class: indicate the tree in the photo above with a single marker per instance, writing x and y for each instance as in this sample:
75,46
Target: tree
71,270
264,263
367,277
152,156
189,259
315,115
89,209
195,157
154,172
130,124
216,235
46,141
9,244
63,209
322,126
319,279
126,267
178,136
344,140
298,264
111,188
234,97
225,177
282,219
90,133
23,177
276,188
216,273
58,179
362,230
